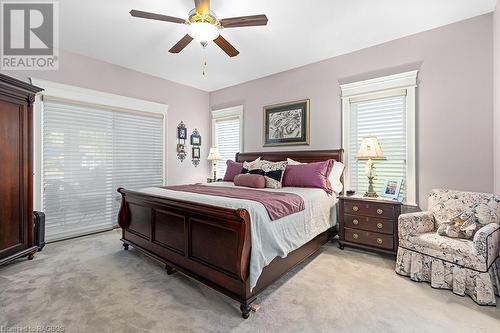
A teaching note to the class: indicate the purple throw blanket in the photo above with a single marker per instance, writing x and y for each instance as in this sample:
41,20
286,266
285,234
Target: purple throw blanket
277,204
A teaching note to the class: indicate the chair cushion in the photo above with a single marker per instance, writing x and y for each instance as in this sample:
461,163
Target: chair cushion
454,250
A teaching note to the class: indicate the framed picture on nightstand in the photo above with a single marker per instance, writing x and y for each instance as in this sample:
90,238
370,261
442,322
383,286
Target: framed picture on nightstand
391,188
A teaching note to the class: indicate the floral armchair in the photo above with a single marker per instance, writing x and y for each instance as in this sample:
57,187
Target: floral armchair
466,266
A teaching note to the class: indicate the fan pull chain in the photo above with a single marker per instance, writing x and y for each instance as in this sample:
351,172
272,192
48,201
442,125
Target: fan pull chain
204,66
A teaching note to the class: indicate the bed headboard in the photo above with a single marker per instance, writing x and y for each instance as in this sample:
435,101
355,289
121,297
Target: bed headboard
304,156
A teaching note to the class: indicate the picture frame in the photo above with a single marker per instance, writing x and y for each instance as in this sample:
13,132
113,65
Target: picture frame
196,152
181,133
195,138
181,151
286,124
391,188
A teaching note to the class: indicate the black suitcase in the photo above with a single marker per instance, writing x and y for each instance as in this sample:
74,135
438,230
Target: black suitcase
39,229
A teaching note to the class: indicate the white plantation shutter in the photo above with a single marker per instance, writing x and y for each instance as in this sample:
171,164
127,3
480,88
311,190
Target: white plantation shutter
88,152
227,140
384,118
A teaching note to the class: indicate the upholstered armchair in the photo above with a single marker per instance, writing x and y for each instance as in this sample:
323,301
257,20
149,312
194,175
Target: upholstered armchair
466,266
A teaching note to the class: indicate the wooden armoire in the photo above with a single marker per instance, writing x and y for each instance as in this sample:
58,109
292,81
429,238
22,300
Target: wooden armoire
16,169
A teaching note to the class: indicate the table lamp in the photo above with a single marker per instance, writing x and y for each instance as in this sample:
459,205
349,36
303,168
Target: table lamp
370,150
214,156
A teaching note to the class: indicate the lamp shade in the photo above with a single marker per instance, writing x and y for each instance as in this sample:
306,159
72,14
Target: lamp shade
213,155
370,148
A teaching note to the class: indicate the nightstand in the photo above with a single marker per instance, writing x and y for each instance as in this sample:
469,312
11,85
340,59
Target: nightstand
370,223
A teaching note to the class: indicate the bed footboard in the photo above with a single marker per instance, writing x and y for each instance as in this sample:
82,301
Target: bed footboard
211,244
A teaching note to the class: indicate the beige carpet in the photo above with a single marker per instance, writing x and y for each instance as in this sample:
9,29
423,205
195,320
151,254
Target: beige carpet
91,285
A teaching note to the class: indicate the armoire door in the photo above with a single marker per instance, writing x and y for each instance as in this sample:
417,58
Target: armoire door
13,209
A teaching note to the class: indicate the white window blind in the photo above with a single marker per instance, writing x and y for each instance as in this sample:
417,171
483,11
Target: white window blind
227,140
88,152
384,118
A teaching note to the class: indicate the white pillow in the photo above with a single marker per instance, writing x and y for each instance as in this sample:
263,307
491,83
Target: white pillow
334,177
255,164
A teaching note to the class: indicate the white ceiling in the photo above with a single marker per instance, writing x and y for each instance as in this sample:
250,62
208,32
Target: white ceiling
299,32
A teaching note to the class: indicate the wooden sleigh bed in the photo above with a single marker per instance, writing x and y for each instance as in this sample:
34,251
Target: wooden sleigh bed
208,243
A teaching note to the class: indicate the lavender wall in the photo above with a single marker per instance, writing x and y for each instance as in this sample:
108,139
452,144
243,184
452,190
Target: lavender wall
496,94
184,103
454,100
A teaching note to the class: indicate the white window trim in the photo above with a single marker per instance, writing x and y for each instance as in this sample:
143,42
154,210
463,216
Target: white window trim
228,113
87,97
376,88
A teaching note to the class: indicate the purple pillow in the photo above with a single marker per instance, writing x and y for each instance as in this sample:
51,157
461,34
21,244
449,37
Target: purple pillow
250,180
233,169
309,175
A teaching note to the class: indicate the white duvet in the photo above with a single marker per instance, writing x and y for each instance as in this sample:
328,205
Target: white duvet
271,239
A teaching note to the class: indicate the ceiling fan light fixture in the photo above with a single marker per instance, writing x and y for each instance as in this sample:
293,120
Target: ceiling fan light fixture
203,32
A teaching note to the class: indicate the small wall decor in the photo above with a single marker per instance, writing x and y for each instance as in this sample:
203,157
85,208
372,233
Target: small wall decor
196,149
181,141
286,124
181,131
195,138
196,153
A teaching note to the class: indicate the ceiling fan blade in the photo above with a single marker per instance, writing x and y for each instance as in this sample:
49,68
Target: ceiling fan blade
202,6
181,44
226,46
244,21
158,17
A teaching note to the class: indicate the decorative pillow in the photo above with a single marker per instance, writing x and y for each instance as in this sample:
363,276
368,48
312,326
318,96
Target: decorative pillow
233,169
464,226
273,171
334,177
247,166
249,180
309,175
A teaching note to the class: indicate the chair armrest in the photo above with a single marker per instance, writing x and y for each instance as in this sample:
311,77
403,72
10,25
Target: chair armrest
413,224
487,242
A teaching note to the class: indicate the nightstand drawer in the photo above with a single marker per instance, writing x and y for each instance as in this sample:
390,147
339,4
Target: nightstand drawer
365,207
369,238
369,223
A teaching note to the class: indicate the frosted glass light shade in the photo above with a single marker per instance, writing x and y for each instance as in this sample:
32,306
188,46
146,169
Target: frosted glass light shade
203,32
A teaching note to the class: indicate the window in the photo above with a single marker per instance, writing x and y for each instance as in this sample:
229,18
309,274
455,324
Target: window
87,152
385,108
227,135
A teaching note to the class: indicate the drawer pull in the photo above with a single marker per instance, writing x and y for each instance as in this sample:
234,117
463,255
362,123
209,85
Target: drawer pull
379,241
355,208
355,236
380,225
379,211
355,222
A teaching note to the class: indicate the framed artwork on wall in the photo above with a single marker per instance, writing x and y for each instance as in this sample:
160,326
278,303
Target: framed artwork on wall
181,141
181,131
286,124
195,138
196,152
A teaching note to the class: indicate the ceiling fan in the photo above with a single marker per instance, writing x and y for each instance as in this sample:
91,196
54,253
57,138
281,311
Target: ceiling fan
204,26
